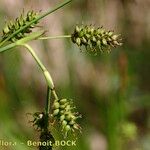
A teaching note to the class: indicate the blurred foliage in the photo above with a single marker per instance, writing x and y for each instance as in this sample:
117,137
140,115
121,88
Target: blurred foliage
110,90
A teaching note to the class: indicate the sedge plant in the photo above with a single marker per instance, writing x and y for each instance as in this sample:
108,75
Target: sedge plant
88,38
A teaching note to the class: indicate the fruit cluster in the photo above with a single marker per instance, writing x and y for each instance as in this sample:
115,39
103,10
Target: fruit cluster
63,112
95,39
20,22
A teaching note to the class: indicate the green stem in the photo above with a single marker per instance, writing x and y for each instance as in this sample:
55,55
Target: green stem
54,94
44,70
54,37
50,85
35,20
47,106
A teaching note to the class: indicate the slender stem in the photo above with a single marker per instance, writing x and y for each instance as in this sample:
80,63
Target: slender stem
44,70
35,20
54,37
50,85
54,94
47,106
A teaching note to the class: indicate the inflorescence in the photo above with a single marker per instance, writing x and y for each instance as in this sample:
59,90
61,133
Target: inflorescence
13,26
39,121
95,39
63,112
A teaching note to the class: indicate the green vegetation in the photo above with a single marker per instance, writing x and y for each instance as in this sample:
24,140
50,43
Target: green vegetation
110,90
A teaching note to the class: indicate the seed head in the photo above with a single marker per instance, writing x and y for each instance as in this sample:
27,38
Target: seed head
95,40
20,22
65,115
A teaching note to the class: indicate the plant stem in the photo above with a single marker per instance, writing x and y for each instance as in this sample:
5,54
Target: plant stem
54,37
44,70
54,94
35,20
50,85
47,106
47,109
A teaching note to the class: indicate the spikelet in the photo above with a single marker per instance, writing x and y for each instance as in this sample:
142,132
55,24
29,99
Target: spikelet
63,111
95,39
20,22
39,120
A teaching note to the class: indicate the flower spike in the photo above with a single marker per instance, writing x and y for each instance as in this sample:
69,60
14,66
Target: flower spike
95,39
63,112
15,25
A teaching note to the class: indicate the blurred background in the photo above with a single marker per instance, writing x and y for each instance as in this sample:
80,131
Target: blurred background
111,91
